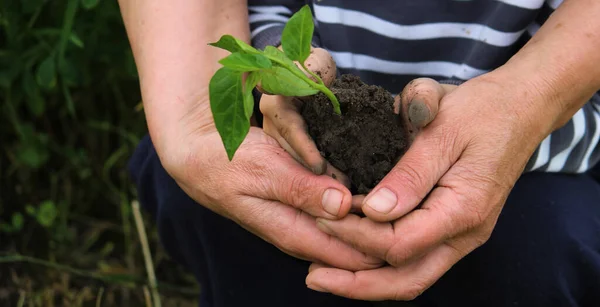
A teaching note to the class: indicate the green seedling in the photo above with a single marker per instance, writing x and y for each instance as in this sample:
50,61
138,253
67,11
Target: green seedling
231,99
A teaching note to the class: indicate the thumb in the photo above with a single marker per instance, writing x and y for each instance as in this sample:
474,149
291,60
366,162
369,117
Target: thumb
410,181
318,195
322,64
419,103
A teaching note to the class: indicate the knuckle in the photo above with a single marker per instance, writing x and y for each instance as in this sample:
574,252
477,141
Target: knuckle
406,175
348,291
286,239
377,246
457,247
460,216
480,239
424,87
447,139
370,262
452,215
483,236
287,130
298,190
412,292
475,218
398,253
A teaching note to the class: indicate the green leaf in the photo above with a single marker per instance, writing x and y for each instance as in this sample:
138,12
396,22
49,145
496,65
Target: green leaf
30,210
107,249
33,149
76,40
30,6
46,73
68,99
69,72
246,62
47,213
251,82
32,155
17,221
89,4
278,56
6,228
35,101
227,106
280,81
67,27
233,45
297,35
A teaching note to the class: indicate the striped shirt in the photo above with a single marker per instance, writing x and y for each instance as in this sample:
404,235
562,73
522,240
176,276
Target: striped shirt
389,43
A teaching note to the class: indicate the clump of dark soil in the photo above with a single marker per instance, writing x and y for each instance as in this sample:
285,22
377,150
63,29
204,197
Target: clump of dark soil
367,140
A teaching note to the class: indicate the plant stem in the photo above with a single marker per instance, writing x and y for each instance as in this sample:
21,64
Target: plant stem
331,96
99,297
319,80
146,252
321,87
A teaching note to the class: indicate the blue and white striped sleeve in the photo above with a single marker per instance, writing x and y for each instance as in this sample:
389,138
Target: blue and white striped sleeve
574,148
267,20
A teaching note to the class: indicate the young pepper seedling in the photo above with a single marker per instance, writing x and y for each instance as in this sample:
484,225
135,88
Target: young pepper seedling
231,99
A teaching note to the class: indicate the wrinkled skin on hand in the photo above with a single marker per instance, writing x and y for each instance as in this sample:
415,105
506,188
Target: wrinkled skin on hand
268,193
443,198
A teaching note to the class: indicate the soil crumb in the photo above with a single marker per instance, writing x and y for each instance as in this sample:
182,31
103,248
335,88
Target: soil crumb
367,140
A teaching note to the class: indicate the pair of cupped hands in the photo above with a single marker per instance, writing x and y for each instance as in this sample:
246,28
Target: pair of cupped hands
439,203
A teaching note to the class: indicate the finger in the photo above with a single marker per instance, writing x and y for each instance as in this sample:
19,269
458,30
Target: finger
294,185
357,201
419,102
283,114
295,233
413,177
402,283
338,175
411,236
365,235
270,129
322,64
330,171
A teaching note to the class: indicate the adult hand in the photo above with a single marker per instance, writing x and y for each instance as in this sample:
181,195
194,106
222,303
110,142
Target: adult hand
442,199
267,192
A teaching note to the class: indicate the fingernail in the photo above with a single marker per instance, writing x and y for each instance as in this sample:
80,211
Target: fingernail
383,201
418,113
332,201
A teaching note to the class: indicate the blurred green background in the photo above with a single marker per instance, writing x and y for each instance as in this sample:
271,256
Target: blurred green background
70,117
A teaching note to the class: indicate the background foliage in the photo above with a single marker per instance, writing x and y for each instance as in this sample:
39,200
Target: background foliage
69,119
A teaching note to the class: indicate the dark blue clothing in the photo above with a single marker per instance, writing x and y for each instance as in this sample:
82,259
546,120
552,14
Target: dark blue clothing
544,251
